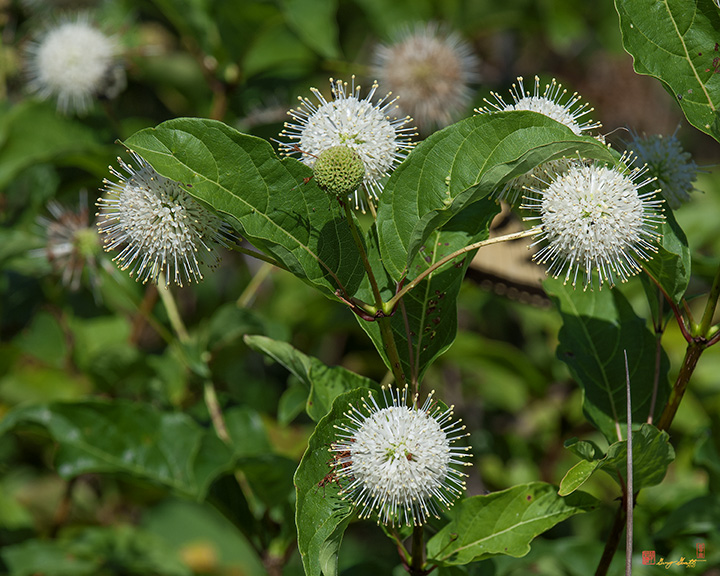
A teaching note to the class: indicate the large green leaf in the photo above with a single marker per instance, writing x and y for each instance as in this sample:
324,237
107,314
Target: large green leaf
315,21
597,327
128,438
241,175
671,265
652,454
321,515
503,523
458,166
325,383
425,323
676,42
33,132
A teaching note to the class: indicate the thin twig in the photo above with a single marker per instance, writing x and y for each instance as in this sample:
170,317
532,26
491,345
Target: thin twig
440,263
629,479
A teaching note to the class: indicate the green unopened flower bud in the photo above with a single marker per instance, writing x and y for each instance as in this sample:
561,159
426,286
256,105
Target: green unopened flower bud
339,171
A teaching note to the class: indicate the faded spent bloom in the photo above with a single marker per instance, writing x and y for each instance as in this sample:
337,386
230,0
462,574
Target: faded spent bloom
430,70
399,461
157,226
72,244
550,104
381,142
594,218
75,62
669,163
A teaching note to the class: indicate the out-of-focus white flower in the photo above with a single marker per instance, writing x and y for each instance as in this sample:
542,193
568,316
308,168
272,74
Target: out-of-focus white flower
380,141
157,226
594,218
399,460
430,70
75,62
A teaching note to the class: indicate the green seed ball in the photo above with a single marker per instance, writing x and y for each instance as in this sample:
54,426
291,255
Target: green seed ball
339,171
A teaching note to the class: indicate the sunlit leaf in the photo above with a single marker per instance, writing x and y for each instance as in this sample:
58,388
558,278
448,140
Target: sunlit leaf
277,211
676,41
121,437
503,522
652,454
598,326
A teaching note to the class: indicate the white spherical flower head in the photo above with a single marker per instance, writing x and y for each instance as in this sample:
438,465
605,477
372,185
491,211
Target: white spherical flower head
549,104
399,461
430,70
75,62
380,141
594,218
669,163
157,226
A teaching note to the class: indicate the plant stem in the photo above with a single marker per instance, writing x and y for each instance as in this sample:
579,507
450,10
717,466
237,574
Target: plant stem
698,342
258,255
417,560
384,323
440,263
629,476
612,542
172,310
692,355
391,350
363,255
254,284
710,306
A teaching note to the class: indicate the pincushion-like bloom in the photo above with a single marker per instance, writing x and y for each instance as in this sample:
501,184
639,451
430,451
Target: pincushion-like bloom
669,163
157,226
380,141
75,62
430,70
549,104
594,218
399,460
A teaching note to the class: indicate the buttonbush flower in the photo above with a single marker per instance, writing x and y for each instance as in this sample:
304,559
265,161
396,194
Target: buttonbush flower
430,70
399,461
669,163
75,62
157,226
549,104
72,244
380,141
595,218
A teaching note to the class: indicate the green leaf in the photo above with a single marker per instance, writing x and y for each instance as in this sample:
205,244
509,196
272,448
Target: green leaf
325,383
128,438
275,210
95,550
321,515
425,322
33,132
460,165
597,327
652,454
676,42
671,265
316,23
503,523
